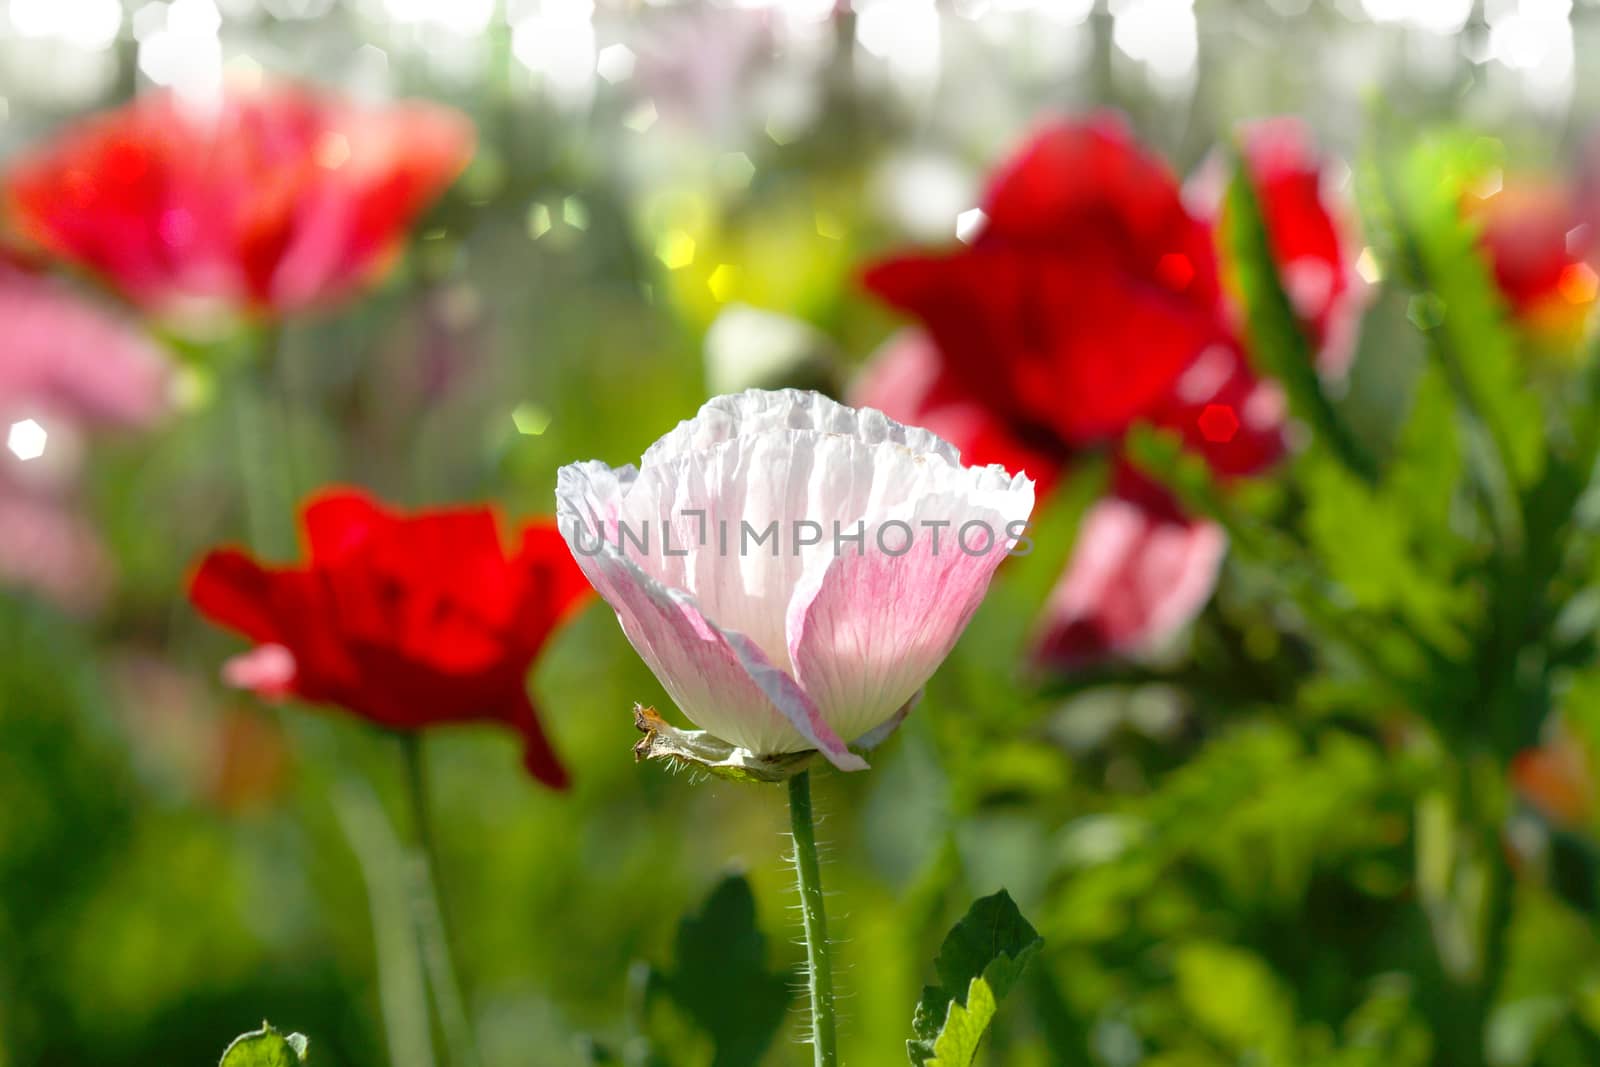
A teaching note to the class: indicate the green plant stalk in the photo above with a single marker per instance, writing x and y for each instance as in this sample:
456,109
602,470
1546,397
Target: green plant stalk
432,930
402,987
261,422
1278,341
1491,453
819,962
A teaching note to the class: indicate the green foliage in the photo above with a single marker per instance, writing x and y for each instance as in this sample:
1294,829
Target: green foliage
982,959
1235,999
720,978
266,1047
1433,247
1551,981
1278,341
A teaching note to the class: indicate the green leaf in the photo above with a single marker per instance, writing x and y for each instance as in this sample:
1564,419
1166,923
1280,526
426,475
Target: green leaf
720,979
1433,247
266,1048
1235,998
981,960
956,1044
1389,549
1277,339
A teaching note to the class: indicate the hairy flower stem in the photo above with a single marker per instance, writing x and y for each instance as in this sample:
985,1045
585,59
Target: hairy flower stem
432,931
824,1030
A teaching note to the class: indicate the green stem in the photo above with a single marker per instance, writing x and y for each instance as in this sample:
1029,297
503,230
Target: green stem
819,964
429,915
261,424
402,986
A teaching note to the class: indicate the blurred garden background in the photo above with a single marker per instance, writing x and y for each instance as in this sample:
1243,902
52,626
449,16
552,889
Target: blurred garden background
1339,812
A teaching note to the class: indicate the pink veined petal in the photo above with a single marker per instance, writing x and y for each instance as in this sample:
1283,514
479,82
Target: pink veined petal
795,485
720,678
755,411
1134,579
777,462
868,628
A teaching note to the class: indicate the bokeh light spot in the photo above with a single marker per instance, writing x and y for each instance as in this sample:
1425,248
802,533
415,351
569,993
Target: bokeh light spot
641,117
723,281
1579,238
530,419
969,224
538,221
1218,423
1579,283
26,439
615,63
675,249
1368,267
1426,311
1175,271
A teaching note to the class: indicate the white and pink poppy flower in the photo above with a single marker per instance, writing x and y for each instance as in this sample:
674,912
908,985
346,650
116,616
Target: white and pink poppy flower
793,570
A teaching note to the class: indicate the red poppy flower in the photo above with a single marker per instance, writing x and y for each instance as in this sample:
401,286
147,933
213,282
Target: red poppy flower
408,621
1538,247
1090,301
269,202
1087,293
910,380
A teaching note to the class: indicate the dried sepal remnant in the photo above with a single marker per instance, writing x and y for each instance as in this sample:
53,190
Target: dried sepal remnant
698,749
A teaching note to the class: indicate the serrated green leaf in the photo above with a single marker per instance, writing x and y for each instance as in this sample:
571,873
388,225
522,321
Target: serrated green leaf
1433,247
955,1042
993,941
983,956
720,978
1277,339
1388,549
266,1048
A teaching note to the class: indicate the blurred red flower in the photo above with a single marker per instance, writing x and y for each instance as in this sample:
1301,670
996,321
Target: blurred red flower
1555,778
1540,250
409,621
268,202
1087,292
1090,300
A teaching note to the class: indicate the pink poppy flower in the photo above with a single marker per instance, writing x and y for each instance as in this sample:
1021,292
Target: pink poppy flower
47,548
65,368
804,566
273,201
62,356
1136,576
